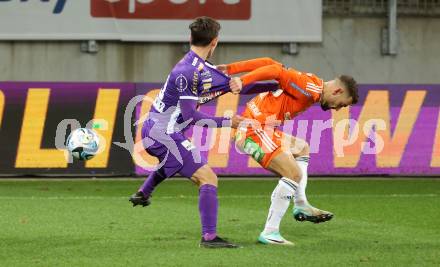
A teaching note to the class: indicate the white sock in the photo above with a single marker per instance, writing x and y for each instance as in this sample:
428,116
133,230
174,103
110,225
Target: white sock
281,197
300,198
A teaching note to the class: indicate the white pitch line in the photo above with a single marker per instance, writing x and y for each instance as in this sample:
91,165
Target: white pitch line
224,197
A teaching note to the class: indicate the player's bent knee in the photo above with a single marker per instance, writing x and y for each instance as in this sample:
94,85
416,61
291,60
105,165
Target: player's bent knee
306,150
301,150
285,165
292,172
294,175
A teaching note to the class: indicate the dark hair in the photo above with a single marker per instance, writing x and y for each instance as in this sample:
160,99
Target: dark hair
203,31
351,86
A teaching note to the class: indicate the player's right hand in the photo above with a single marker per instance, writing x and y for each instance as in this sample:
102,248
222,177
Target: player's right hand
236,120
236,85
240,121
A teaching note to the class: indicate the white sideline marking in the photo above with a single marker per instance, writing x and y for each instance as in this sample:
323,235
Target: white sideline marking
224,197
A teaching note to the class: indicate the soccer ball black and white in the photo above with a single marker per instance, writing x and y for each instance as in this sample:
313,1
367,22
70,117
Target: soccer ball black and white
83,143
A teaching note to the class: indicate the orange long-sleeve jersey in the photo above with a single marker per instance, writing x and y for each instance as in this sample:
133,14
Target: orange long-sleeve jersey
298,90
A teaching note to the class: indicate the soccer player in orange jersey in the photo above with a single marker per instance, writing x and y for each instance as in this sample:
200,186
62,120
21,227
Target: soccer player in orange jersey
285,155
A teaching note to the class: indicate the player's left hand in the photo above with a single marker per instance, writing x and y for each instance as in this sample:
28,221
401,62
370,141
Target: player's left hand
236,85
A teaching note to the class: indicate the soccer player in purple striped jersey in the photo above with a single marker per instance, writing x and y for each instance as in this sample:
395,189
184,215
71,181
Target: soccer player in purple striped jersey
192,81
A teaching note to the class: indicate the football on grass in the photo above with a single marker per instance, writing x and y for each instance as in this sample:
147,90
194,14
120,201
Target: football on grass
83,143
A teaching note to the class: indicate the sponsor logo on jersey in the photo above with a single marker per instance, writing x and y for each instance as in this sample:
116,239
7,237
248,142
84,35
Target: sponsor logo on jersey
181,83
188,145
206,97
206,74
206,87
253,149
194,61
255,110
195,83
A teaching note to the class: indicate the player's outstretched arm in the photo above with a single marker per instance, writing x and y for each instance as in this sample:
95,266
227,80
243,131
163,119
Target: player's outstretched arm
246,84
247,65
271,72
237,87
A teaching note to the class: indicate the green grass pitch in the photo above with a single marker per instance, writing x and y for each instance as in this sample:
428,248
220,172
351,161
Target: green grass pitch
392,222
